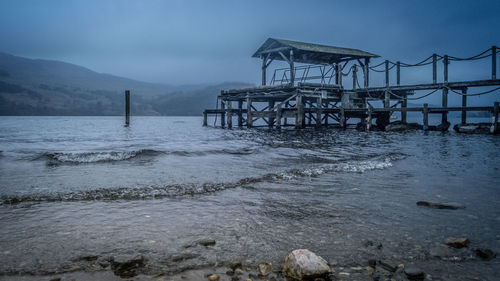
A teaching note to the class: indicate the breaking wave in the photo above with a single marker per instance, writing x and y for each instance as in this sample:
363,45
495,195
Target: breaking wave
175,190
93,157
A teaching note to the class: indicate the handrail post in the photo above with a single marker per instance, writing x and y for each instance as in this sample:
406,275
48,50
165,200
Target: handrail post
446,62
292,69
367,72
398,73
434,68
223,113
386,73
494,62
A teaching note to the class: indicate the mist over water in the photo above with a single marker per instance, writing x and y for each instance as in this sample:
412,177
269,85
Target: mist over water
72,187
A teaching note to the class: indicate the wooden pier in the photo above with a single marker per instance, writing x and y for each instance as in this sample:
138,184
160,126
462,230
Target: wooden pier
313,94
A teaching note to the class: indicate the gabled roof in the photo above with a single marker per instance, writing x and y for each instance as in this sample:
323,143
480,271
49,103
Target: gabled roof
308,52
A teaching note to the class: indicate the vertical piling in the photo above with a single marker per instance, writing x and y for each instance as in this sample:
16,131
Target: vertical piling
229,114
249,113
271,117
127,108
205,118
278,117
367,72
223,113
264,67
426,117
299,119
404,105
319,111
496,111
464,105
444,116
240,113
338,75
387,99
342,118
369,119
354,76
446,62
292,69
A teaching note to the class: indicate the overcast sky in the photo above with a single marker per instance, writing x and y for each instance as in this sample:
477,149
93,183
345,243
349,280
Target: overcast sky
188,42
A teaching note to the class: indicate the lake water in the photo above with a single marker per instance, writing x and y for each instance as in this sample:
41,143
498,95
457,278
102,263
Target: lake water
76,187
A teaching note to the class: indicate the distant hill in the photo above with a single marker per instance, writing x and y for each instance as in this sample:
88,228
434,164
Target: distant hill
45,87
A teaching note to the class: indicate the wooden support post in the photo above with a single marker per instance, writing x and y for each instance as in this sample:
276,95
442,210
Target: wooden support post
444,116
299,119
464,105
426,117
367,72
434,68
404,105
240,114
249,113
446,62
271,118
338,75
387,99
494,62
386,73
309,114
398,73
496,111
278,117
285,120
205,123
264,67
369,119
292,69
319,111
127,108
342,119
223,113
229,114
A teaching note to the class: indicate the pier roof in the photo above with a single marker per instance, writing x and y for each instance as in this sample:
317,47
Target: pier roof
308,52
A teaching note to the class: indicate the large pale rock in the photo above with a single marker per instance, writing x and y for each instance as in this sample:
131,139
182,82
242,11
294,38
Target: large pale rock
303,264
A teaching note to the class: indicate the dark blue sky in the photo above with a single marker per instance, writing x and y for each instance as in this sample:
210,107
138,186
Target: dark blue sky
186,42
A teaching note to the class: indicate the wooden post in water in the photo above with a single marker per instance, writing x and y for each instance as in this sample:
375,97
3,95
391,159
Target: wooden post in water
299,119
342,118
367,72
319,111
292,69
264,67
249,113
127,108
223,113
426,117
496,111
278,117
205,118
444,116
338,75
271,117
464,105
229,114
404,105
387,99
369,119
240,114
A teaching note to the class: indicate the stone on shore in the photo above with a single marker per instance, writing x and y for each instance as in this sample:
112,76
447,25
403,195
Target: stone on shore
265,268
126,268
457,242
414,273
303,264
485,254
213,277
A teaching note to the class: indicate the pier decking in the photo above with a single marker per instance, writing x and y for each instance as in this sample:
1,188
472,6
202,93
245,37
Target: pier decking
314,94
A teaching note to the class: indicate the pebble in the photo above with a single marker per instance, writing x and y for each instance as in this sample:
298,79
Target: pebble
485,254
457,242
213,277
265,268
414,272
